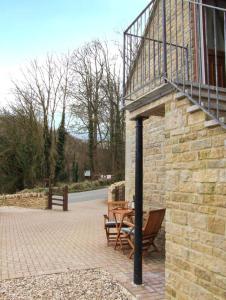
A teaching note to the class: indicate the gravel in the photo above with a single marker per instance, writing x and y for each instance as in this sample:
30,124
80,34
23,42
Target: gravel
77,285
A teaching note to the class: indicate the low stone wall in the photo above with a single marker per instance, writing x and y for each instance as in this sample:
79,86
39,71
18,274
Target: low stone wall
116,192
29,200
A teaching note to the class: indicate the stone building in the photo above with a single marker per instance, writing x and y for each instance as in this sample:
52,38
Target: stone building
172,84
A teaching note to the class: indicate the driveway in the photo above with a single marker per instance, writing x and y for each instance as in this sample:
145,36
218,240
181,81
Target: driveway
36,242
100,194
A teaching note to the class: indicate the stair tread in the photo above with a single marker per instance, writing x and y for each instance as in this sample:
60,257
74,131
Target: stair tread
195,85
213,123
180,96
198,106
205,95
216,105
193,108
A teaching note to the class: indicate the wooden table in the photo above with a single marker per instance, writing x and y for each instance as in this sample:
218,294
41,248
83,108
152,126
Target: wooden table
120,214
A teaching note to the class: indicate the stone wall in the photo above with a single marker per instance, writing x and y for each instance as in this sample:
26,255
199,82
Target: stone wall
116,191
153,166
29,200
196,205
153,162
185,171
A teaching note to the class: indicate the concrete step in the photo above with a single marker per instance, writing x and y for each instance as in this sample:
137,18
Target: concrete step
205,99
193,109
204,95
195,86
214,123
212,107
180,96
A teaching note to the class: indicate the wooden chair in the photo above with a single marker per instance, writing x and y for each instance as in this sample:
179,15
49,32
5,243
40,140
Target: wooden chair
109,220
149,231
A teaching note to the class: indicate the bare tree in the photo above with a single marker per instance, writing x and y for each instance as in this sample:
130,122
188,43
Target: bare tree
115,114
44,88
97,99
88,69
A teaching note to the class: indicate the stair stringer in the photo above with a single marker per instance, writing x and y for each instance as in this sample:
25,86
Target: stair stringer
195,102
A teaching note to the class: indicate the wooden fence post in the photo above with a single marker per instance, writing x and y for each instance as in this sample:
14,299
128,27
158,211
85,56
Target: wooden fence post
65,197
50,198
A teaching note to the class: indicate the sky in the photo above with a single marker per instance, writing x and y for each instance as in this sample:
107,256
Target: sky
32,28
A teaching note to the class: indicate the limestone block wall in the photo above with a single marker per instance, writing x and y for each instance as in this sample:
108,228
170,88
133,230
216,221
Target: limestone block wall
185,171
153,166
130,158
195,192
153,162
29,200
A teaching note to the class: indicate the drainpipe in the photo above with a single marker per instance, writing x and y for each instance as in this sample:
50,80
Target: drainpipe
138,202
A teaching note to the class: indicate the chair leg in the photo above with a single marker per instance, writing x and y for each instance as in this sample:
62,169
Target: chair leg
130,242
155,247
107,235
131,253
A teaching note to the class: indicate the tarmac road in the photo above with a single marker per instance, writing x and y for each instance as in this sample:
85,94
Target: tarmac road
100,194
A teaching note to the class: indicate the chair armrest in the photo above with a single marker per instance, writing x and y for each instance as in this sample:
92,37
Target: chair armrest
106,217
129,224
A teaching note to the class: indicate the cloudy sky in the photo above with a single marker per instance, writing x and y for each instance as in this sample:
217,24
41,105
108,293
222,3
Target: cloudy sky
31,28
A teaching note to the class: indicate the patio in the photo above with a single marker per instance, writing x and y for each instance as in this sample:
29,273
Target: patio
37,242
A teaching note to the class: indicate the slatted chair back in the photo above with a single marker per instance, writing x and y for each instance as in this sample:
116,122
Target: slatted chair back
114,205
153,222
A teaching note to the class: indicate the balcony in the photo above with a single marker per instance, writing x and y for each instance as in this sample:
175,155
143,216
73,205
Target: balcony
182,44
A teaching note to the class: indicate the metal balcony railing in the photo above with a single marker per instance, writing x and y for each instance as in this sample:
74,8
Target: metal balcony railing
181,42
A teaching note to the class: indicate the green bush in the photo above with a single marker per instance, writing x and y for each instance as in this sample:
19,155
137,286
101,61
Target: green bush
83,186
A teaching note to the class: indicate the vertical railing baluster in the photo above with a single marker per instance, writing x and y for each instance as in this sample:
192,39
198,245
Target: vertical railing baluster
164,53
199,40
159,62
124,68
137,62
216,60
160,48
191,25
170,32
131,61
142,51
187,62
127,56
207,55
145,50
176,40
149,51
183,44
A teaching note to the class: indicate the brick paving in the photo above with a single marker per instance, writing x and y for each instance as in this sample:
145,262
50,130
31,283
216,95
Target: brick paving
36,242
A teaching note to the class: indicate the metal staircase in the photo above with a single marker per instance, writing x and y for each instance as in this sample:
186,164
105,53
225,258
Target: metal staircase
181,42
